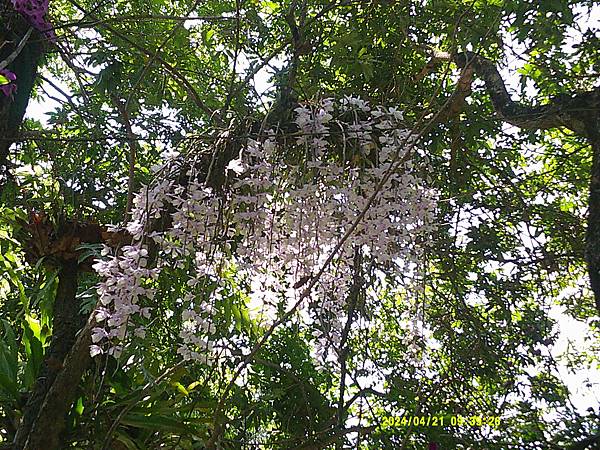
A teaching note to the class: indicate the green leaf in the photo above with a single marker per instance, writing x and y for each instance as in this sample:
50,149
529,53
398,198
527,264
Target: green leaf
79,406
34,352
8,362
180,387
209,35
34,326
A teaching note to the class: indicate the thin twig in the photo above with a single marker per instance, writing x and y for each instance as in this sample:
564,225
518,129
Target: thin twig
169,67
133,149
153,58
138,18
10,58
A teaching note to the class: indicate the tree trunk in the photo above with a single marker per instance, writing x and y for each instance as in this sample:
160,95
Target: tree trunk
13,27
592,238
66,323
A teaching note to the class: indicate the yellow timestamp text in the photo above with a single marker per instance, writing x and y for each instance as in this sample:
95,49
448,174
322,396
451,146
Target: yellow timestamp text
441,421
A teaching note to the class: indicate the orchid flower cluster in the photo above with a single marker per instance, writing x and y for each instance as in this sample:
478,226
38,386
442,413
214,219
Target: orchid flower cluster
7,82
346,182
35,12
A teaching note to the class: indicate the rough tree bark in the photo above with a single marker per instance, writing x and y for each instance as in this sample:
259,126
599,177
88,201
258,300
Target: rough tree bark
47,432
65,324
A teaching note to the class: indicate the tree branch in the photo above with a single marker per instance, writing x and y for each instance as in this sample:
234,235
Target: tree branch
10,58
344,347
49,426
133,150
563,111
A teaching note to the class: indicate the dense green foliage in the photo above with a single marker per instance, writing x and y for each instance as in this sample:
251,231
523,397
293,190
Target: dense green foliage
507,257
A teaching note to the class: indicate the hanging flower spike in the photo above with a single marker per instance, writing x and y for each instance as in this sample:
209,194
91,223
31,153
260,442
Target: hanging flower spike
34,12
285,226
7,82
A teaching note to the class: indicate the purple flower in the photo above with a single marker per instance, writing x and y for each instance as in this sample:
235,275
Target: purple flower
9,88
34,11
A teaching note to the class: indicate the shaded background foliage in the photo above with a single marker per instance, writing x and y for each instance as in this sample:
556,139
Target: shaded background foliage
511,219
